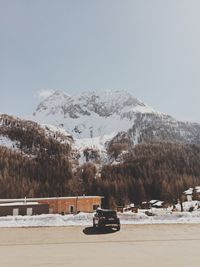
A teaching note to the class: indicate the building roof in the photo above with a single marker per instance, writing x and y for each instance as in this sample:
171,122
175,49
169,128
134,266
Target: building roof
189,191
19,204
45,198
197,189
158,203
153,201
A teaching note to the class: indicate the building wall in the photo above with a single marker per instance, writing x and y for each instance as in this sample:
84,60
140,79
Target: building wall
22,209
72,205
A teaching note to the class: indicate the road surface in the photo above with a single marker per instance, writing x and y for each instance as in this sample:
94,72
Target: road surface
134,245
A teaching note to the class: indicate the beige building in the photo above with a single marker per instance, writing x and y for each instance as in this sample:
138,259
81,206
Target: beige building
65,205
62,205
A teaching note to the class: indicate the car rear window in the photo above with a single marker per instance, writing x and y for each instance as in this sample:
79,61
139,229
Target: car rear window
109,213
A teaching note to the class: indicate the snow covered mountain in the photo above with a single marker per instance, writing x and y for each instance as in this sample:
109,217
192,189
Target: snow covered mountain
96,118
91,114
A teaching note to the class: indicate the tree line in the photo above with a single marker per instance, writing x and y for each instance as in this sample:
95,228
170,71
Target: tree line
38,165
150,171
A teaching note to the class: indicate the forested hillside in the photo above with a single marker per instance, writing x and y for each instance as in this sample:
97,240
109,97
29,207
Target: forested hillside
37,164
154,171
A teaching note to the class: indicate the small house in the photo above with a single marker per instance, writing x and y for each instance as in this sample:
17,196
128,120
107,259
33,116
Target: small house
192,194
187,195
152,204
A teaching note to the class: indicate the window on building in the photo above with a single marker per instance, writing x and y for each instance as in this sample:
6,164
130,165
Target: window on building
71,209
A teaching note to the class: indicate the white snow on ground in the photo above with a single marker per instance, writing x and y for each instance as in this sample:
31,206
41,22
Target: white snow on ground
95,142
5,141
56,132
46,220
54,129
85,219
87,125
160,218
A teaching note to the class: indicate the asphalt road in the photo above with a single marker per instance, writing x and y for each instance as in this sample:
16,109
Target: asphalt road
134,245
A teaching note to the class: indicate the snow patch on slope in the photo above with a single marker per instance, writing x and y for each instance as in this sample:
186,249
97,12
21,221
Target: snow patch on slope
6,142
56,132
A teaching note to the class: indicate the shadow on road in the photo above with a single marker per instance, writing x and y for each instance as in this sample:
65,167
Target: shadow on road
98,231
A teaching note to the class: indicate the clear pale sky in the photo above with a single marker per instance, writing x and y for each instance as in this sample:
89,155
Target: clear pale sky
148,47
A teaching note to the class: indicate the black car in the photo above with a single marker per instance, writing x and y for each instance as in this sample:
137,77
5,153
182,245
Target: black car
103,218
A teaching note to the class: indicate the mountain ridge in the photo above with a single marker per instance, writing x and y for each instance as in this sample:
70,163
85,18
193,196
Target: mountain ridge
91,114
103,115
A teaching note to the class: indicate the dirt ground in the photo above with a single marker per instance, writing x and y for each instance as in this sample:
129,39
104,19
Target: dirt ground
133,245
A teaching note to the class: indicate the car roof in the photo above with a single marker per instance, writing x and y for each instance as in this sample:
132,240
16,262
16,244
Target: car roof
106,210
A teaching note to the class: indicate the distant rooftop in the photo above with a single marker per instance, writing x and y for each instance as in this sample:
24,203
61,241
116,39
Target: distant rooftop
19,203
11,200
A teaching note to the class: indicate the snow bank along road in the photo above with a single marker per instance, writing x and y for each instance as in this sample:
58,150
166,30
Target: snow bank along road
85,219
75,246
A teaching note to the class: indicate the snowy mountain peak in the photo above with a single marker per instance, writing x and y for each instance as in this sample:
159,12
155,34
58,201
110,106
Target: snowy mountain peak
53,102
104,103
92,113
108,121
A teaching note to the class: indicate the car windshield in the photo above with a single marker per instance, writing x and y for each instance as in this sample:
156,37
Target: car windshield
109,213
